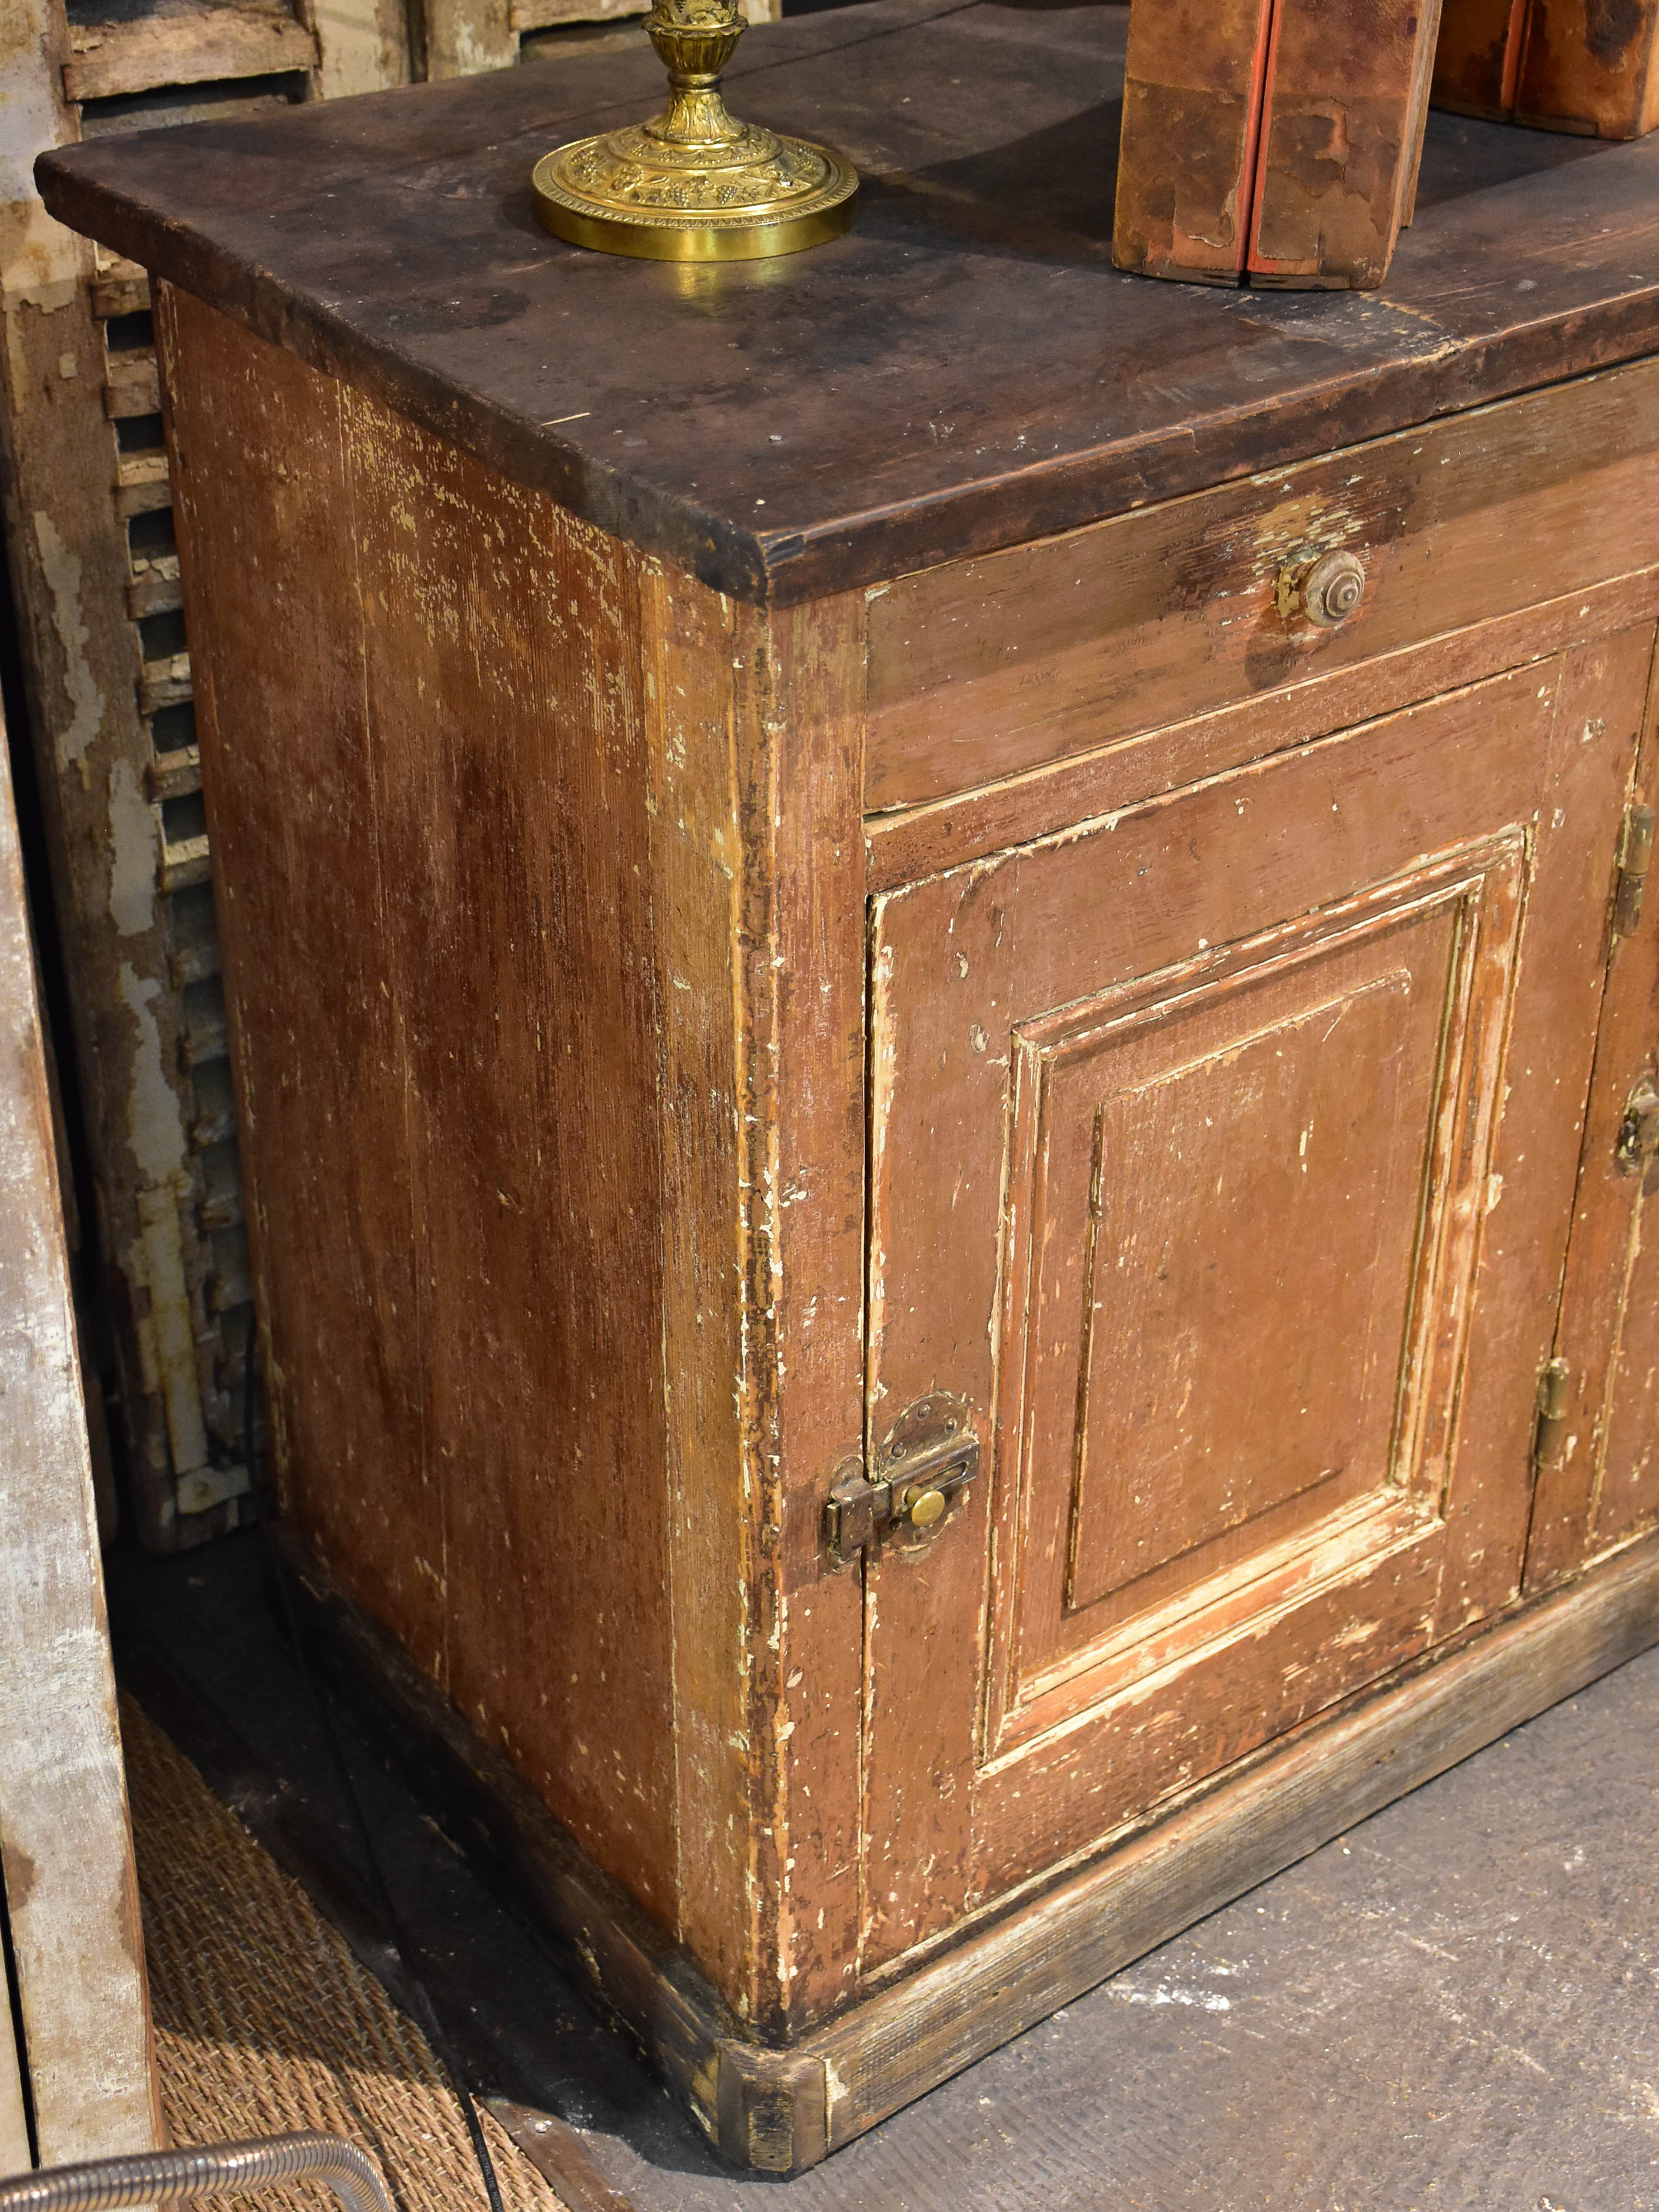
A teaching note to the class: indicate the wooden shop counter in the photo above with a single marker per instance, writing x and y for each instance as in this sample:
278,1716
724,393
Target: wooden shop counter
946,1042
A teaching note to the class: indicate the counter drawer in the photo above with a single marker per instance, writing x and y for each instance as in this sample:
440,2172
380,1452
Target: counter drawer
985,668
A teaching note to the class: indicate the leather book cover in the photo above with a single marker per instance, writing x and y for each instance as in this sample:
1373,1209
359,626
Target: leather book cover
1590,67
1192,116
1477,65
1272,142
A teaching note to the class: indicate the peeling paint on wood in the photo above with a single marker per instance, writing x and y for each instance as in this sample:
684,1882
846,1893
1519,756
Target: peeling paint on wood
70,1896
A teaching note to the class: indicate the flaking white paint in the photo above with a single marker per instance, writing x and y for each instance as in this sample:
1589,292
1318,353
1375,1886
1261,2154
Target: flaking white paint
62,569
156,1258
132,838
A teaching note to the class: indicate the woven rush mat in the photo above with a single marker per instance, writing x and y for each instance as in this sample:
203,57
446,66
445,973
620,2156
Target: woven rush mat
265,2023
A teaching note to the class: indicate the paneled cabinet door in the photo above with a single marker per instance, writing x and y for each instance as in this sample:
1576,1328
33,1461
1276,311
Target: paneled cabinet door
1224,1154
1598,1476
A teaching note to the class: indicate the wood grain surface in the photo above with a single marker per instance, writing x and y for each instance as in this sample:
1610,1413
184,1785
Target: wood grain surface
550,1028
791,451
69,1898
981,669
1020,1139
1598,1487
453,1200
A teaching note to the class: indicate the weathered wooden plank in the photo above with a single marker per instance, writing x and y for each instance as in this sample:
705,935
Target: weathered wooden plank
982,670
14,2156
919,840
194,48
132,387
454,1041
1590,69
1599,1484
70,1893
68,497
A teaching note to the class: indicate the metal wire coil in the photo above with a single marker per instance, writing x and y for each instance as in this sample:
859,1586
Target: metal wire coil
162,2177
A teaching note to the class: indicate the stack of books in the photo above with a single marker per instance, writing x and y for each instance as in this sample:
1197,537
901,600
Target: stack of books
1272,142
1277,142
1590,66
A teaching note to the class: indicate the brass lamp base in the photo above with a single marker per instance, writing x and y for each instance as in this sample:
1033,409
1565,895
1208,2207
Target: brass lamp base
692,184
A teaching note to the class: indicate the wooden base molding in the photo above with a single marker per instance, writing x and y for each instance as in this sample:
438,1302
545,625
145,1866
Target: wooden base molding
783,2110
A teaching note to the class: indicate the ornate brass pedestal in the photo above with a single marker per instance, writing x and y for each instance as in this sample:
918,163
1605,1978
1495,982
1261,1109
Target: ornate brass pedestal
693,185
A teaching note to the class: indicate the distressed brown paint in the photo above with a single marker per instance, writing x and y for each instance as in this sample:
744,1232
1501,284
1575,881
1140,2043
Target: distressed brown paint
768,935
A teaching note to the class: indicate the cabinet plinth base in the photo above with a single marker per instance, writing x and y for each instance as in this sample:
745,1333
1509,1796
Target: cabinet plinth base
783,2111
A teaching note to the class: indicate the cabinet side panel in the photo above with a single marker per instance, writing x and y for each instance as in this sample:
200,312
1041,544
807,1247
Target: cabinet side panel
424,760
263,515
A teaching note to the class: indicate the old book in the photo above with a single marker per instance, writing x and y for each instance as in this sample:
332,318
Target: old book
1587,66
1270,142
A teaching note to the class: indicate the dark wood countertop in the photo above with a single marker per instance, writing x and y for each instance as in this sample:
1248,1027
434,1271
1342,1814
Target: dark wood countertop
964,370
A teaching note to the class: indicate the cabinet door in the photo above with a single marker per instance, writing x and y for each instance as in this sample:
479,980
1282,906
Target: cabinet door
1224,1154
1598,1477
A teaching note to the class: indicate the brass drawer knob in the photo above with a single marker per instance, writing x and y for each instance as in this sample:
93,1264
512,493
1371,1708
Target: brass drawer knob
1326,593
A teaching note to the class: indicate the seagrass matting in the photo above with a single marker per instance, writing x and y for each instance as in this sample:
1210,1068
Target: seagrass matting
1453,2007
265,2023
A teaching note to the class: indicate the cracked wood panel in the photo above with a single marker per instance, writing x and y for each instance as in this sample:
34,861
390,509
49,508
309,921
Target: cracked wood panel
1590,67
69,1892
1153,1033
983,669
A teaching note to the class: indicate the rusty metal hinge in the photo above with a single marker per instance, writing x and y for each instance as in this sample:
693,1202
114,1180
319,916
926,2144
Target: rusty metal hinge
1554,1395
930,1457
1635,857
1638,1133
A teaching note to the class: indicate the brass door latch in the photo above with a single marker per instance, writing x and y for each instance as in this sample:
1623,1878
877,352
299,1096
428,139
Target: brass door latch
929,1458
1635,859
1638,1133
1555,1405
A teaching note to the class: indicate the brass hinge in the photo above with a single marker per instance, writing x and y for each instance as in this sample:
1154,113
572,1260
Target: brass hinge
1638,1133
1554,1392
930,1457
1635,857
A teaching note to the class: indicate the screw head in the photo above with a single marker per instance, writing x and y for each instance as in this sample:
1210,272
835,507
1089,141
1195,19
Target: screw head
1334,589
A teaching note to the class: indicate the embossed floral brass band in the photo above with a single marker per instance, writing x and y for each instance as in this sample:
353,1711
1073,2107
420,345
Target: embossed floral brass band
692,184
